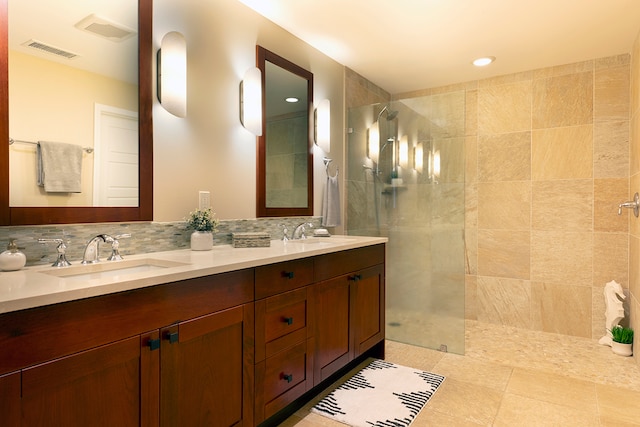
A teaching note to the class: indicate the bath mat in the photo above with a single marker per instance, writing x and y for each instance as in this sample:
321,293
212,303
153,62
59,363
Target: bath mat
381,394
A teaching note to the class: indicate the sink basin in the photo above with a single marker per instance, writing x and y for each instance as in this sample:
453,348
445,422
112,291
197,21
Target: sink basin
332,239
107,269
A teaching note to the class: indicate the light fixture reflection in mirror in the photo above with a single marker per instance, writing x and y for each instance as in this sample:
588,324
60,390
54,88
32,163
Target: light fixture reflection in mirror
172,74
323,125
373,146
251,101
403,152
418,159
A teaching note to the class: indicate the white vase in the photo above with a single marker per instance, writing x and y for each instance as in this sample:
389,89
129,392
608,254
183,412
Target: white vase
621,349
201,241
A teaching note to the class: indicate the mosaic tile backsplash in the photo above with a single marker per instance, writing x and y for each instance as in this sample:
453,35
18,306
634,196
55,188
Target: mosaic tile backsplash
146,237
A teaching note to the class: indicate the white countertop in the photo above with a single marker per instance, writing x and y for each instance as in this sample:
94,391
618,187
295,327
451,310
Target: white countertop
38,286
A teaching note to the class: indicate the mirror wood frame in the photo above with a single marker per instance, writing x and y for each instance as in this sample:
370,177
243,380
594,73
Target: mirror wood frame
73,214
262,210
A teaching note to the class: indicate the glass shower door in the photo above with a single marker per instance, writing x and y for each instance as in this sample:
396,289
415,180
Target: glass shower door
410,188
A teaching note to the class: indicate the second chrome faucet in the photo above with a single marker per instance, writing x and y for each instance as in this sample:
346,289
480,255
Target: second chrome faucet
91,251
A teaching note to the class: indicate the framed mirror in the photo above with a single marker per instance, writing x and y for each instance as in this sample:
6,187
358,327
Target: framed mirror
59,209
285,149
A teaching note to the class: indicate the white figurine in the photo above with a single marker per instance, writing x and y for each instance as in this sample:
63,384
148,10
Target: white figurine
614,312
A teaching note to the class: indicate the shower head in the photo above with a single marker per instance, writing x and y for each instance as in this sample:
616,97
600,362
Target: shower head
391,114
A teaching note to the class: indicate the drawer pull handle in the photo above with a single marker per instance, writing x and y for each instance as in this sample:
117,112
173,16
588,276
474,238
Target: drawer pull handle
288,320
287,274
172,337
153,344
355,277
287,377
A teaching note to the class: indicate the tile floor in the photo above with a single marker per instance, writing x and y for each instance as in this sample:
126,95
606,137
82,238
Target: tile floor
513,377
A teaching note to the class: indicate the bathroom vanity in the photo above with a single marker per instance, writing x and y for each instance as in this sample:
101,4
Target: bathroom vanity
224,337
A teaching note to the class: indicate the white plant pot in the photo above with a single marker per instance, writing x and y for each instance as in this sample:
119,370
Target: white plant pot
201,241
621,349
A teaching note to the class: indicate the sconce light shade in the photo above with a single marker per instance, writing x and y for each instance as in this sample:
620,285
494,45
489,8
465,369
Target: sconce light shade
403,152
373,146
436,164
323,125
418,158
172,74
251,101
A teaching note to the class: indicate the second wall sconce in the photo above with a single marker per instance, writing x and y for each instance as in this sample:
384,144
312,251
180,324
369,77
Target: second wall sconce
172,74
322,122
251,101
418,158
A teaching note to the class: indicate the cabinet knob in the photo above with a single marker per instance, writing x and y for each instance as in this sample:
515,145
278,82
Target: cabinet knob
154,344
287,377
172,337
355,277
287,274
288,320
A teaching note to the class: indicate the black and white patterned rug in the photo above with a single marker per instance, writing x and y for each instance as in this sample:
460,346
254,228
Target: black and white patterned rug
382,394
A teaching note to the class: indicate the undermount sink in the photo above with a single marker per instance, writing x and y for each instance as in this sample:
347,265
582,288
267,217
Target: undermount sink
107,269
332,239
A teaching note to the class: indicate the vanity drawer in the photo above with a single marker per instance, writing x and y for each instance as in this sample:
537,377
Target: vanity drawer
283,378
274,279
281,322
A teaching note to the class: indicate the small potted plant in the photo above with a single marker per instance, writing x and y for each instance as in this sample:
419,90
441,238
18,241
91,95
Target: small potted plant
204,224
622,340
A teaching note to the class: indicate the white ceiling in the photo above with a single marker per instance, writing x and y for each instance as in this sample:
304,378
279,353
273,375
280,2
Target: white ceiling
405,45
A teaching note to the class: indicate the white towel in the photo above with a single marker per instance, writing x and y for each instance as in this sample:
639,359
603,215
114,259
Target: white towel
59,167
331,205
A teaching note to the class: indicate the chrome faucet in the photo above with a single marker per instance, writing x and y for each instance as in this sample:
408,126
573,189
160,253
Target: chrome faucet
299,231
91,250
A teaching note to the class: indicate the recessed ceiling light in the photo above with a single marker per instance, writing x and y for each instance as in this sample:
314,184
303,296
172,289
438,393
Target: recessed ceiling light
292,99
486,60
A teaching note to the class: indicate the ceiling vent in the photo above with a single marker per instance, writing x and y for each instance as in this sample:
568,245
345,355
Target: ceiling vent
43,47
102,27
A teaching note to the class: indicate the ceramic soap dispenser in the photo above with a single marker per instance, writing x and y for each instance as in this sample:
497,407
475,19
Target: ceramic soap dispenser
12,259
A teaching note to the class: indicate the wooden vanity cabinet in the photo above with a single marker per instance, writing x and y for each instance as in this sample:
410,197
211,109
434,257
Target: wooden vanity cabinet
349,305
145,357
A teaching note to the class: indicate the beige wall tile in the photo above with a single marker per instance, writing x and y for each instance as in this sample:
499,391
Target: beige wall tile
504,253
562,153
562,70
563,101
504,157
562,257
471,113
607,195
611,149
471,159
470,297
634,266
562,205
504,301
561,308
634,187
504,205
471,206
598,308
611,94
504,108
634,145
622,60
610,258
471,251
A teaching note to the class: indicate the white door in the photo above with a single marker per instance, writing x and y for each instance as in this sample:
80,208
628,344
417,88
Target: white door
115,173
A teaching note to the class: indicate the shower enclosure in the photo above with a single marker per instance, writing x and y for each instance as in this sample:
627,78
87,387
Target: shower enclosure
405,181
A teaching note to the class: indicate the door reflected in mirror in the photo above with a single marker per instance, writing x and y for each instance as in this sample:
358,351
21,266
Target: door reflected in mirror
285,162
76,86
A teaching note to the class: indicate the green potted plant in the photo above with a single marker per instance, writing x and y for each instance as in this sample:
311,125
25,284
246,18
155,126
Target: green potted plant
204,224
622,340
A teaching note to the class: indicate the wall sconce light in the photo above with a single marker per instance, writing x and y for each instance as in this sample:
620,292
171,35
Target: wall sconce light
373,146
172,74
322,121
251,101
436,164
403,152
418,159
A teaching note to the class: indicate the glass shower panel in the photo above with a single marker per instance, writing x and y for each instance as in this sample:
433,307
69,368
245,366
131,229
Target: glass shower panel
414,195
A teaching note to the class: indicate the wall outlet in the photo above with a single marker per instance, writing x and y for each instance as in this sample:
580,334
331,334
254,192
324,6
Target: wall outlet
204,200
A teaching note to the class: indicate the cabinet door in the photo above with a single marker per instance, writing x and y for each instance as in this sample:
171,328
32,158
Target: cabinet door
97,387
10,401
333,339
201,364
367,319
